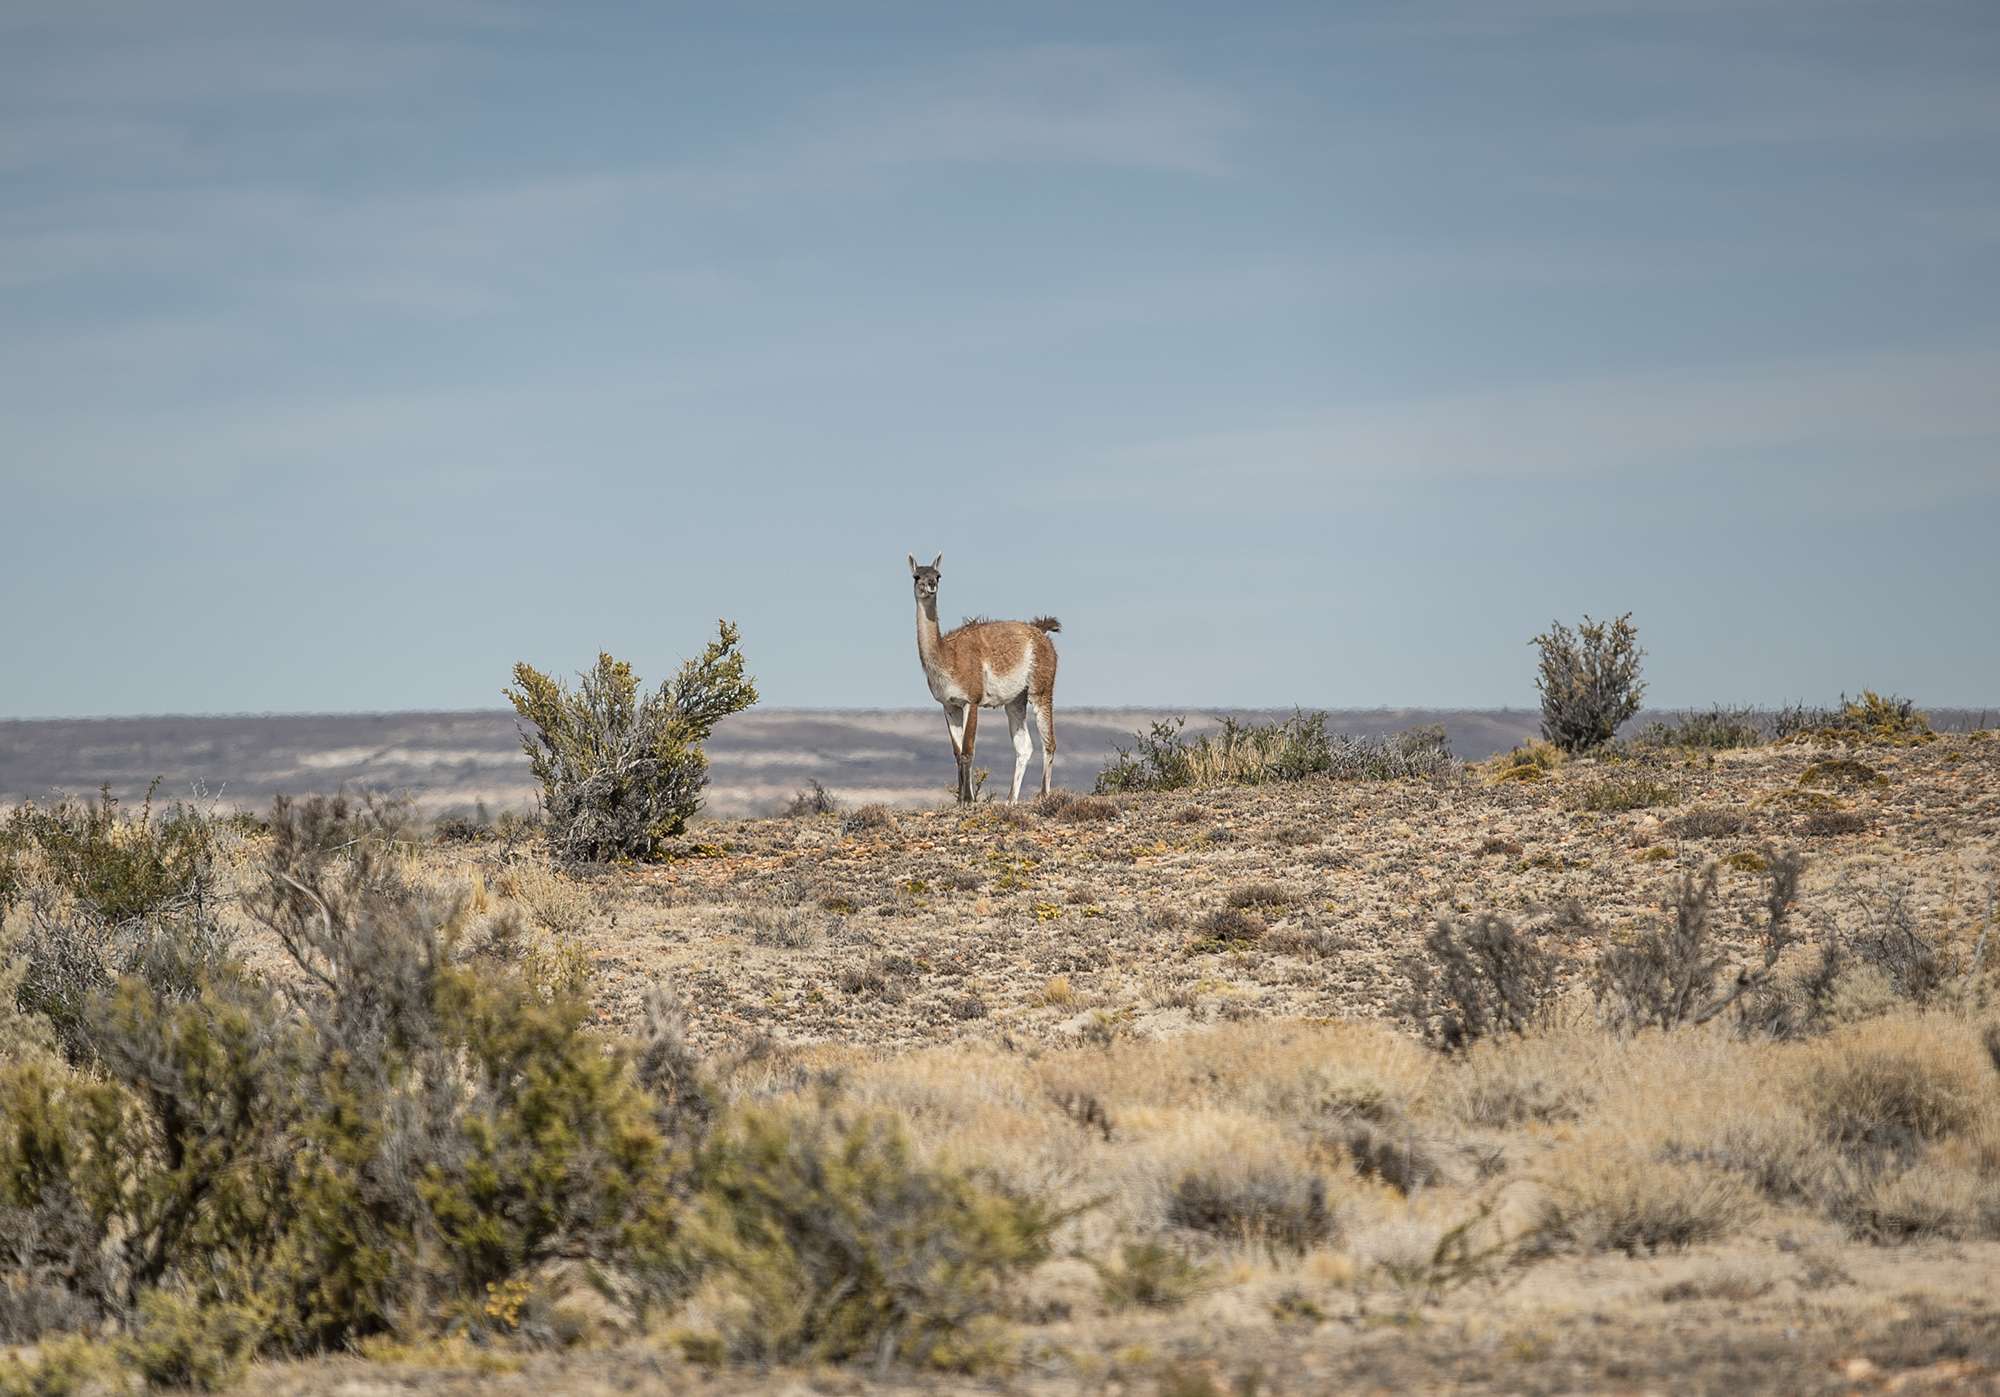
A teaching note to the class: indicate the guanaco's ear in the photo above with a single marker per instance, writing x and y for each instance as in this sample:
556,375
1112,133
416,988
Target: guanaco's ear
935,561
913,563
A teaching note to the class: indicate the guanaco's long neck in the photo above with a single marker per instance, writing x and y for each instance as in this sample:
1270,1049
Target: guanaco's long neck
927,633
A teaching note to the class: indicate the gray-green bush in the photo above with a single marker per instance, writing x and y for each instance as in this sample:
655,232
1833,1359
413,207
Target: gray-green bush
1589,681
621,773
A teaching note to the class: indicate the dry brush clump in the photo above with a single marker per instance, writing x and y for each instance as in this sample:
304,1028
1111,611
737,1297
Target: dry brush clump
1477,978
1618,794
1719,729
1871,720
1291,749
1667,975
824,1238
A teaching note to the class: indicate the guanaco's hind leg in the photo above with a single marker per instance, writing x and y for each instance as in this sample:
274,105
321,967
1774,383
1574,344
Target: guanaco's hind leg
1024,745
1045,719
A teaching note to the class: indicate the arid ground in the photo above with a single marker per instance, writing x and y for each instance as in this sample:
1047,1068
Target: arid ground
1182,1015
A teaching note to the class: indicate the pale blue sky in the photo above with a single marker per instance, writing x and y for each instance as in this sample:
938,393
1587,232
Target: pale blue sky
1311,353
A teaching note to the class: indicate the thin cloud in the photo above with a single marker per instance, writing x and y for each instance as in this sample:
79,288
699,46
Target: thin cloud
1596,429
1053,104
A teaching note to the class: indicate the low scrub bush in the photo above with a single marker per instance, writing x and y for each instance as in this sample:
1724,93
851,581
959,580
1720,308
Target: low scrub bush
1229,926
814,799
1392,1156
1880,929
1719,729
1284,1209
1249,753
1708,822
1267,897
1072,808
1151,1274
1528,763
834,1242
1478,978
1912,1204
1876,1098
1841,773
1589,681
180,1342
866,819
116,865
69,959
1831,824
620,772
1774,1148
1623,793
1607,1200
1872,719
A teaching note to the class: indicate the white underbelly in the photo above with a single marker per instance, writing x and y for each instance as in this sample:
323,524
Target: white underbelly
1003,686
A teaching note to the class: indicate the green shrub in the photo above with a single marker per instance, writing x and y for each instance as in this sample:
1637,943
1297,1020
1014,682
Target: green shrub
70,1366
1525,764
621,773
396,1134
116,865
1150,1274
839,1244
1589,681
180,1342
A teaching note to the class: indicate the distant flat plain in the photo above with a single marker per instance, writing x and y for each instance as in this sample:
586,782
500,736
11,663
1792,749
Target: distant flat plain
451,761
759,759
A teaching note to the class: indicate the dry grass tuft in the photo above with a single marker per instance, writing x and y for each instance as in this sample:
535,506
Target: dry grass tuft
1708,822
1229,926
1264,897
1885,1089
1605,1198
1072,808
1283,1209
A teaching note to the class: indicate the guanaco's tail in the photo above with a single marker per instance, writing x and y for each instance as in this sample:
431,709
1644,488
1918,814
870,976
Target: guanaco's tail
1046,624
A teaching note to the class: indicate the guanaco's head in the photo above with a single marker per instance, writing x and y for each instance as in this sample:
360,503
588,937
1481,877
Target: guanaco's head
925,579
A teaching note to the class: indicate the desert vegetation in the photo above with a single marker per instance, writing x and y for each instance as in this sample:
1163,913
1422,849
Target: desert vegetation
1666,1063
621,772
1589,681
1165,758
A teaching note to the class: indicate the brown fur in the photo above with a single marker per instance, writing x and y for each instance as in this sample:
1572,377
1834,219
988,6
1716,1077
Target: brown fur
966,654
